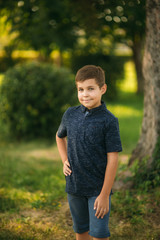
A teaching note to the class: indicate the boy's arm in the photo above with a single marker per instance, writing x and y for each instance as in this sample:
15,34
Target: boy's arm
102,201
62,148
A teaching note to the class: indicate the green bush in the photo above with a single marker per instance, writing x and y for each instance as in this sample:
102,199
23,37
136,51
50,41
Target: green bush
34,97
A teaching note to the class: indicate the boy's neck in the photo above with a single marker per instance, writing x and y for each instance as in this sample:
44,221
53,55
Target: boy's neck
84,109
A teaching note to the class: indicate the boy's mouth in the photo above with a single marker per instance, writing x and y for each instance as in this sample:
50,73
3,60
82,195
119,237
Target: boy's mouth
86,100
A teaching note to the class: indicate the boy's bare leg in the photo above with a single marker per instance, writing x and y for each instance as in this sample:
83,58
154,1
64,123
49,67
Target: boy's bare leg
100,238
83,236
86,236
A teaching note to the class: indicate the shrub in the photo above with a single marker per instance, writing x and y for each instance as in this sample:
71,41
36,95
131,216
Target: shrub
148,177
33,98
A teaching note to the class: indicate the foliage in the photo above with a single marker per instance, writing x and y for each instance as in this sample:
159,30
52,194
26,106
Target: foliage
112,65
125,19
87,24
60,25
112,22
51,27
133,207
148,177
33,98
48,24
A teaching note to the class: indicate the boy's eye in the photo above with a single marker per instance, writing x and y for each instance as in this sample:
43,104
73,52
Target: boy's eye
91,89
80,89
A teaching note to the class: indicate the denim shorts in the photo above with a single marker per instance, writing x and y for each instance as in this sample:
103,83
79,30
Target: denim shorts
84,219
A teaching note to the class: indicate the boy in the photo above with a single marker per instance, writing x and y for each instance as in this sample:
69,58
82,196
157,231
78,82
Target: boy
89,155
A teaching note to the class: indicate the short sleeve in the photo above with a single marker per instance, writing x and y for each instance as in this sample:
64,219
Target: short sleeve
62,130
112,137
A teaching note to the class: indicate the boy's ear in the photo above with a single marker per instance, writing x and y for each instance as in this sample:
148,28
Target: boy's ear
104,88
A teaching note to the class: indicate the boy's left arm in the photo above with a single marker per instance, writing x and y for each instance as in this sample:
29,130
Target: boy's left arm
102,201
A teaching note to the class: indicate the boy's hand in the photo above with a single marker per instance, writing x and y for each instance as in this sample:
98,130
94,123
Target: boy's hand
66,168
101,206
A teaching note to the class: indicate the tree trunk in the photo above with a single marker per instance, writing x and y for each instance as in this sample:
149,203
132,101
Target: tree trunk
151,71
137,57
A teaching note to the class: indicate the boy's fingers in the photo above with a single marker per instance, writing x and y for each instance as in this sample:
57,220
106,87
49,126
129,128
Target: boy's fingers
100,213
66,169
67,173
97,210
67,163
95,205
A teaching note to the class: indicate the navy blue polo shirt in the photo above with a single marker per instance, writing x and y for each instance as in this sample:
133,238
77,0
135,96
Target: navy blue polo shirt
91,134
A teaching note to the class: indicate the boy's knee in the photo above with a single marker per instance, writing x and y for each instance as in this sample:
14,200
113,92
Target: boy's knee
83,236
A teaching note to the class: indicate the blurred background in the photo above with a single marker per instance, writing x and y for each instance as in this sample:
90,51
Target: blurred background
42,45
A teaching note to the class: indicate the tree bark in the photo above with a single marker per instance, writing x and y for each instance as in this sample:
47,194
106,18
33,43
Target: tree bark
151,70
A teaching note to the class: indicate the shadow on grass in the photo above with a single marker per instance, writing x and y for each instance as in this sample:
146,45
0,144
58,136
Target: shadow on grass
6,234
8,204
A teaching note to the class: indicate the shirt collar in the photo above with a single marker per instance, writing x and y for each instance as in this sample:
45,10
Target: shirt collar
101,107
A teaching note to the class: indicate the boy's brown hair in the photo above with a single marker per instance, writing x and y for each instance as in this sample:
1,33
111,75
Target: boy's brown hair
91,71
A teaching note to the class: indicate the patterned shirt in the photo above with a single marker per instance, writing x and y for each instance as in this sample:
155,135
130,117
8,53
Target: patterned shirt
91,134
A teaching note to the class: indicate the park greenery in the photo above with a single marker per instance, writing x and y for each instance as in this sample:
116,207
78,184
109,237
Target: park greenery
32,196
75,28
42,46
33,99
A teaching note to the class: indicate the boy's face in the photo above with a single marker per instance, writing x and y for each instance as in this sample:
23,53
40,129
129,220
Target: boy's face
89,93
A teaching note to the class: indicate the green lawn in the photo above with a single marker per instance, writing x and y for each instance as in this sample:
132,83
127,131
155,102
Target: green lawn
129,112
129,109
32,197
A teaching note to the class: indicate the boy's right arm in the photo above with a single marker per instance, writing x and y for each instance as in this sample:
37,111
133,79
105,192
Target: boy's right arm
62,148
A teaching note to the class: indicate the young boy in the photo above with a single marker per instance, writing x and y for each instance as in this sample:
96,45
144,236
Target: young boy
89,155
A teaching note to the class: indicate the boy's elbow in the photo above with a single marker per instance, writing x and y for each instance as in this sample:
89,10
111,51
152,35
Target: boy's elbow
57,136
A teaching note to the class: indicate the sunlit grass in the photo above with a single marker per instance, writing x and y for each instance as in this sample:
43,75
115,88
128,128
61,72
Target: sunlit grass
128,108
130,119
129,84
1,78
124,111
129,111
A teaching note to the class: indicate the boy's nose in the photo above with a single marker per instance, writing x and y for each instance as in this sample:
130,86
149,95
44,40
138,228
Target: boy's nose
85,93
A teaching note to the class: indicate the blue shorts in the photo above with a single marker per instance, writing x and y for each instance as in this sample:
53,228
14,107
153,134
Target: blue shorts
84,219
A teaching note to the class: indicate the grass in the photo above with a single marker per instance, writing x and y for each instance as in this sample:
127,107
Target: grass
31,190
32,186
1,77
133,214
128,109
129,112
26,180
